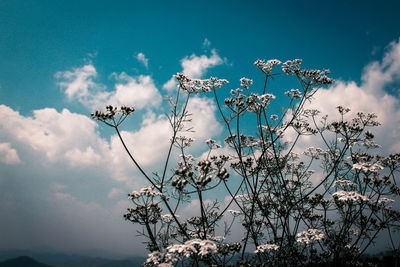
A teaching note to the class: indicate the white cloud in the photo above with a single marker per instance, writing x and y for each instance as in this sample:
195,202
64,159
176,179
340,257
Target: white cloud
139,92
8,155
77,157
79,84
195,67
73,140
116,192
48,131
171,84
142,58
66,139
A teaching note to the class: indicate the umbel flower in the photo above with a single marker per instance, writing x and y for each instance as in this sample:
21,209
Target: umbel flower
310,235
113,116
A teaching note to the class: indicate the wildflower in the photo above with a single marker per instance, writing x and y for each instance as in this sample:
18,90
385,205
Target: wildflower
314,152
146,191
368,167
274,117
385,200
109,116
194,246
225,248
291,66
167,218
234,212
296,93
311,112
350,196
266,67
244,82
310,235
196,85
212,143
223,174
266,247
183,141
344,183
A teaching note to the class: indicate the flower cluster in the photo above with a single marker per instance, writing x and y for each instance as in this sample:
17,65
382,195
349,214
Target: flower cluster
234,212
204,168
245,82
292,66
266,247
167,218
310,235
349,196
317,77
368,167
183,173
385,200
266,67
111,112
293,93
343,183
160,259
212,144
144,192
196,85
252,102
314,152
183,141
225,248
203,248
143,214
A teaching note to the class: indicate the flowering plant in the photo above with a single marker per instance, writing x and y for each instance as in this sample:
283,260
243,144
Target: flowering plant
291,215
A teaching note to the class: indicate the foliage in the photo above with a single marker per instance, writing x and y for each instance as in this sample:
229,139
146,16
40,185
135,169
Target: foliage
290,214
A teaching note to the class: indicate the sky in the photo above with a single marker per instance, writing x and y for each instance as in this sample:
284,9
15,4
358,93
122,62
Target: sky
64,178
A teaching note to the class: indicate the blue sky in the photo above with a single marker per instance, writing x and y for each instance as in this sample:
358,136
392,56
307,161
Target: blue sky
59,60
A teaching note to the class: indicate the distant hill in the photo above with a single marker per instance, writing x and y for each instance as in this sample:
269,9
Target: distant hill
65,260
23,261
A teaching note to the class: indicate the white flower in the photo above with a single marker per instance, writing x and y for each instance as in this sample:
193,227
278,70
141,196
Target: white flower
184,141
212,143
274,117
344,183
193,246
244,82
266,67
266,247
349,196
167,218
365,166
146,191
196,85
234,212
218,238
155,257
314,152
385,200
310,235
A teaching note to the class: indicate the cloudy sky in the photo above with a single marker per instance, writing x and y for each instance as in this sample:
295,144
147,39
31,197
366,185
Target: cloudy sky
64,178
